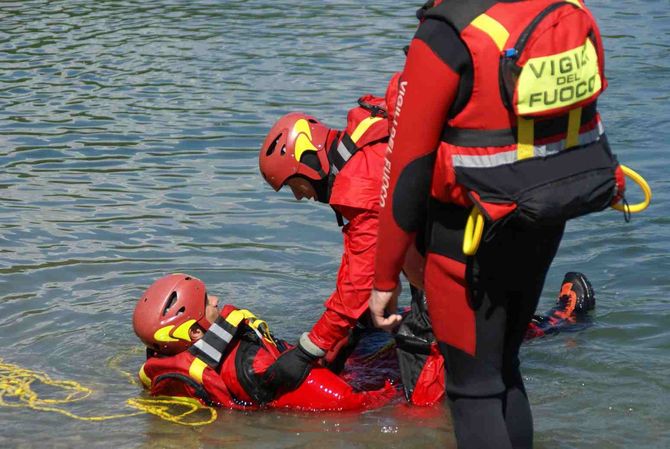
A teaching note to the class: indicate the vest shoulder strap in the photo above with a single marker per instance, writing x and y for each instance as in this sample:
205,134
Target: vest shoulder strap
340,152
211,348
459,13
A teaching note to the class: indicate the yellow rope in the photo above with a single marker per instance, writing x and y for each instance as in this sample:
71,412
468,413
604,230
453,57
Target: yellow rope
163,407
16,390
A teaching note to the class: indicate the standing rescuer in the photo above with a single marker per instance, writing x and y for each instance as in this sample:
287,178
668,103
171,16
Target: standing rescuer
496,117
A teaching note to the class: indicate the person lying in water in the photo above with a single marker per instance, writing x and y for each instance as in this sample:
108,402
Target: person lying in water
220,357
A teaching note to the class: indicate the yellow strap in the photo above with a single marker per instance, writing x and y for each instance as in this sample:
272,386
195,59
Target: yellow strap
525,137
196,369
574,122
363,126
236,316
493,28
144,378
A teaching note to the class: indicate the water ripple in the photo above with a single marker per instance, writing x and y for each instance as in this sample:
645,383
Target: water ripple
129,133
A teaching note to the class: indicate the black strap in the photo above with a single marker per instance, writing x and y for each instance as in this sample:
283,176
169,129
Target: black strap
463,137
199,390
374,109
340,219
340,152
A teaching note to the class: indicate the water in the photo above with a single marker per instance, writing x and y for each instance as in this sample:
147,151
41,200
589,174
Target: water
128,140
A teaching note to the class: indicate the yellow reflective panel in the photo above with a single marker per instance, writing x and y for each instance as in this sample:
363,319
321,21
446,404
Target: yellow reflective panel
182,331
362,127
236,316
302,144
302,126
493,28
163,334
144,378
559,80
247,313
196,369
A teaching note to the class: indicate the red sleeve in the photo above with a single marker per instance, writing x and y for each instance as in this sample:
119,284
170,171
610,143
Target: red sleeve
427,88
354,281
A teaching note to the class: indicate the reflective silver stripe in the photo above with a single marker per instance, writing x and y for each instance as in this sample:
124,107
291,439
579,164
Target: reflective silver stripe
344,152
489,160
208,349
509,157
334,169
220,332
593,135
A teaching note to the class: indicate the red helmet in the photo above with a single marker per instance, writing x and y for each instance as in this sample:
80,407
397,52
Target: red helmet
167,310
293,136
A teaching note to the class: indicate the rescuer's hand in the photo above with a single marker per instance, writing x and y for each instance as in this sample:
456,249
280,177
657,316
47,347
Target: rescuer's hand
381,302
292,367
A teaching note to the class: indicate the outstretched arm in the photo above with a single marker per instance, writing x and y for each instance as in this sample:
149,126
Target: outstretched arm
427,89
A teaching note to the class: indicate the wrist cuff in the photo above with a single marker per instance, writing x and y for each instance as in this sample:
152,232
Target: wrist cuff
309,347
385,287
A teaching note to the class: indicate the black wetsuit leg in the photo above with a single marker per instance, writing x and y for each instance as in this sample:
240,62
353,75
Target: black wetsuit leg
502,286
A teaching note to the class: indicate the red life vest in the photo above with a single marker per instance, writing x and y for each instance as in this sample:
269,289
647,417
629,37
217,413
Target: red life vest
216,369
232,380
529,144
357,184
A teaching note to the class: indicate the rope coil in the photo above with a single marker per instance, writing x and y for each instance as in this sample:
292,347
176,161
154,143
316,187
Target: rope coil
16,390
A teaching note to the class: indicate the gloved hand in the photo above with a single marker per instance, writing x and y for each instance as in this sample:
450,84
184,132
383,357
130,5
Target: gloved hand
292,367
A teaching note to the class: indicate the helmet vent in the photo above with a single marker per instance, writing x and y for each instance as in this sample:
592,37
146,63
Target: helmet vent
272,146
182,310
283,150
188,278
311,120
170,302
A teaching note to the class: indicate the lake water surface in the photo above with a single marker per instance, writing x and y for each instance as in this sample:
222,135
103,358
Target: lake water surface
129,133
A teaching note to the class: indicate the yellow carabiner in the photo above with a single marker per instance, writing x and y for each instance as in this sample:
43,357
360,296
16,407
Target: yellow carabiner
474,228
262,327
639,180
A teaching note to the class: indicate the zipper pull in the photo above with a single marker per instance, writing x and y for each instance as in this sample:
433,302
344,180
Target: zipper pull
510,53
